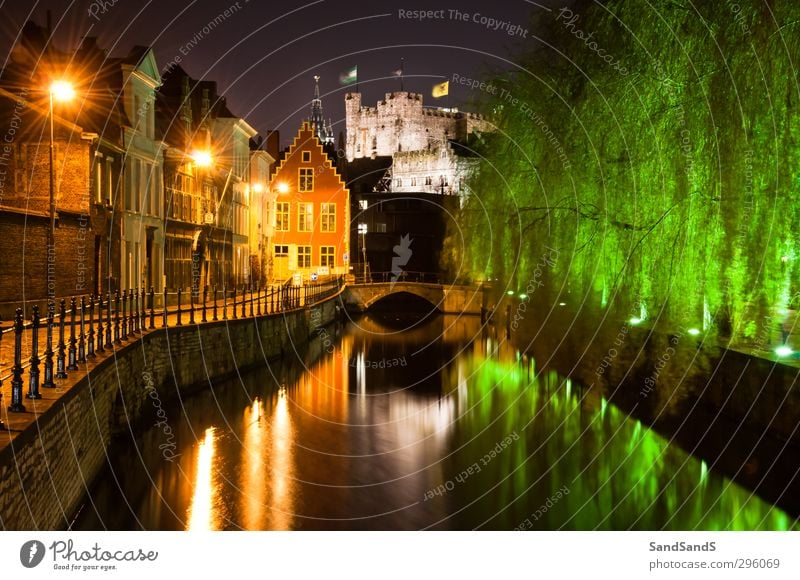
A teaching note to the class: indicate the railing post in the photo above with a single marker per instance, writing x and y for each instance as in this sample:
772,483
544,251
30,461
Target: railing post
82,334
180,291
152,308
131,330
99,331
143,311
124,330
258,307
251,300
244,300
164,321
191,305
234,302
90,338
48,352
117,337
73,365
16,382
141,323
205,299
33,374
224,303
61,371
135,311
108,320
215,303
272,301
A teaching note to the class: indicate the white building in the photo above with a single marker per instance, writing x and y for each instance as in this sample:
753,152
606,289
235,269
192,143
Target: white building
142,229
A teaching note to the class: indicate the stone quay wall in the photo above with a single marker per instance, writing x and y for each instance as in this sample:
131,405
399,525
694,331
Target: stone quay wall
47,469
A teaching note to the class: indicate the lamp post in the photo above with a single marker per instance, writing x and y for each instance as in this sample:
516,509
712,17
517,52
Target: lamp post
362,230
61,91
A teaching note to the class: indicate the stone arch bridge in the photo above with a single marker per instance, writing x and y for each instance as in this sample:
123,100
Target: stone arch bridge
446,298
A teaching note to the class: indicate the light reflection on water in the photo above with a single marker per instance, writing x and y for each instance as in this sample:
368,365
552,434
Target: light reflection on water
353,445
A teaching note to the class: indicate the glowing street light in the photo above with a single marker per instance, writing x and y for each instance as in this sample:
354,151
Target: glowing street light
282,187
62,91
258,188
635,320
202,158
693,332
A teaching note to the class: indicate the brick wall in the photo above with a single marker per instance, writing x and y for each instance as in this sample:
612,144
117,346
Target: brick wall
47,470
23,245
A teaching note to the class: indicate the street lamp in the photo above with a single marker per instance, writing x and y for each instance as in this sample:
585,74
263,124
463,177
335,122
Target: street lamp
202,158
63,92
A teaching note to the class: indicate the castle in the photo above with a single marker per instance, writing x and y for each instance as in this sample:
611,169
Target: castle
400,123
427,145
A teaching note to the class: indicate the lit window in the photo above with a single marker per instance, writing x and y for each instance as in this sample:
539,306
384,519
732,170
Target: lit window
306,156
306,179
98,180
282,216
326,256
303,256
328,217
305,217
363,203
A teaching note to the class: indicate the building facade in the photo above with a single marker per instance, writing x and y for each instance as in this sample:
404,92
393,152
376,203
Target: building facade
142,226
261,203
311,225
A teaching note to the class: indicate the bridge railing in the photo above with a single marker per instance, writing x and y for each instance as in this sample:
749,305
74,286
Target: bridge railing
404,276
92,325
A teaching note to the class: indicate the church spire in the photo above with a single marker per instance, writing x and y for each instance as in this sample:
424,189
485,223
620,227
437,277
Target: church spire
317,120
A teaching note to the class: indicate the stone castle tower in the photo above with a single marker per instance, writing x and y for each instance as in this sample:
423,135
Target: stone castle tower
400,123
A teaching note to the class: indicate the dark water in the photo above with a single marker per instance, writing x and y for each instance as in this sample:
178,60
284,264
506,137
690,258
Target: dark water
440,427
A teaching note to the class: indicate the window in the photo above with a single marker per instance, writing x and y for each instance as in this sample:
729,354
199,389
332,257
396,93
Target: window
328,217
306,156
109,181
363,203
326,256
282,216
305,217
281,251
303,256
306,180
98,179
380,228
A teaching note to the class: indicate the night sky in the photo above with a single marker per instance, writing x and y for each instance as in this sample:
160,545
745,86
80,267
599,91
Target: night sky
264,54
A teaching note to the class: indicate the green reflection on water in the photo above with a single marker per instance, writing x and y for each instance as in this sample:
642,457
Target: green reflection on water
616,472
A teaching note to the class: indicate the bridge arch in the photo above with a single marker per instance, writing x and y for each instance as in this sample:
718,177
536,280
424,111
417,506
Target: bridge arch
445,298
418,297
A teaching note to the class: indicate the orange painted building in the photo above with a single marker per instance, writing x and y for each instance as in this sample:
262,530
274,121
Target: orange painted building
310,214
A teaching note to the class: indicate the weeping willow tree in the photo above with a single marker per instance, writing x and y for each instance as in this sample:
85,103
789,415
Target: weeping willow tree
654,147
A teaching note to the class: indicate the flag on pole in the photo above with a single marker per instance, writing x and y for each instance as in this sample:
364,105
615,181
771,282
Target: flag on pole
441,90
349,77
397,73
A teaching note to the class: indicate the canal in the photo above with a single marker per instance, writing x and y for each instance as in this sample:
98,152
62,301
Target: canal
392,424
